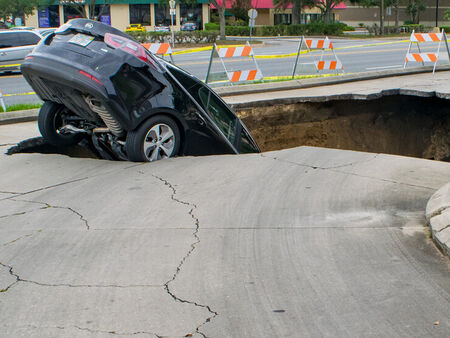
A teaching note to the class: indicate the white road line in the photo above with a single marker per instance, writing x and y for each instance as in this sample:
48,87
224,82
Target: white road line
396,66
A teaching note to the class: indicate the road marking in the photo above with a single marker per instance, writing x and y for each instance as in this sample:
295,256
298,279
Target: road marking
396,66
20,94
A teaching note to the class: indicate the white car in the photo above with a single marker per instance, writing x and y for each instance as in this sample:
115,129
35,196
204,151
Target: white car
14,46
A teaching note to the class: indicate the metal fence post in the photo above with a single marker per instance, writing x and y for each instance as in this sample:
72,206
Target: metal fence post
210,62
298,54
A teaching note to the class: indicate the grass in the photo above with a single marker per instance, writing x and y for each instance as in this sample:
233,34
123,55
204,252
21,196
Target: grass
218,42
21,106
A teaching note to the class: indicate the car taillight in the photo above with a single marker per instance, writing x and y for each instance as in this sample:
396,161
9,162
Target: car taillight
93,78
129,46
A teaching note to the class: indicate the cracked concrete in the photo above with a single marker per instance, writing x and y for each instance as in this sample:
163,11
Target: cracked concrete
183,260
276,249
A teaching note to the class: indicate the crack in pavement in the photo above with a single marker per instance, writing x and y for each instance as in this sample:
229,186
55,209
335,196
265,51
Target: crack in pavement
22,237
45,188
48,206
346,172
111,332
19,279
183,260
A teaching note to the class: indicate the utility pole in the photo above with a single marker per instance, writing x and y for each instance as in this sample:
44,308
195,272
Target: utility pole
382,17
437,13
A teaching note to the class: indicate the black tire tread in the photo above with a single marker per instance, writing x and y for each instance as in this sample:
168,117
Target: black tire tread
46,127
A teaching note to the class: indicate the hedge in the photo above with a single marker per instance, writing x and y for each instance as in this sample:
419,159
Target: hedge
318,28
446,29
180,37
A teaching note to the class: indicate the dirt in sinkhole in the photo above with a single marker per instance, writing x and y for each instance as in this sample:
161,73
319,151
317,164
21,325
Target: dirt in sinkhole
401,125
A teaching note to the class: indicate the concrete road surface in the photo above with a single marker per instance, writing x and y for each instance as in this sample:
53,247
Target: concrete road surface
305,242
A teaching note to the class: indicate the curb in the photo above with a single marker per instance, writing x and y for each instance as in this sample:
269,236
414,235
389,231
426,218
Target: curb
324,81
19,116
32,114
438,216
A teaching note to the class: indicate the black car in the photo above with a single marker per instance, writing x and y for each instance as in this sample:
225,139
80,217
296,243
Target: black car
97,82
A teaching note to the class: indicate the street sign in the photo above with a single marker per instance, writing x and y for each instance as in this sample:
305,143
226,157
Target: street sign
252,13
172,4
172,11
251,23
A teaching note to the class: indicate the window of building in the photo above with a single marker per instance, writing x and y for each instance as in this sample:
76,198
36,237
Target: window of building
49,17
282,19
72,12
140,14
190,13
103,14
162,17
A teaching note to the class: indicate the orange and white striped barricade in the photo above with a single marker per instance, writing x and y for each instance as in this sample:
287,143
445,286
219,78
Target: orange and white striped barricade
421,38
233,76
159,49
322,45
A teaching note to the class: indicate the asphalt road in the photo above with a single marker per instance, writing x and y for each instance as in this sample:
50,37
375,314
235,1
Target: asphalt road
305,242
357,55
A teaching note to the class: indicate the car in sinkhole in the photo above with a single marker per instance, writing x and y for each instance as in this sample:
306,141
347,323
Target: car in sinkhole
98,83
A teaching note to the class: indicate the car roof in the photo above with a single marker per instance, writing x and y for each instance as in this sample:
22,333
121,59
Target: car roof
18,31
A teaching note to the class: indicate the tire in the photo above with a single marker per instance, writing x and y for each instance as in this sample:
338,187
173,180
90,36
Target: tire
157,138
49,122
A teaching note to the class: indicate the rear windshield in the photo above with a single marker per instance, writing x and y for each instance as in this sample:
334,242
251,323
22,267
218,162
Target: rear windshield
16,39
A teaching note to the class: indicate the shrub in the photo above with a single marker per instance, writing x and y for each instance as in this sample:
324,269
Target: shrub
210,26
446,29
237,30
416,27
138,36
211,36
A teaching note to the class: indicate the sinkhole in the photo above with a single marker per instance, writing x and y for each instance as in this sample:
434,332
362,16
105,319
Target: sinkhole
399,124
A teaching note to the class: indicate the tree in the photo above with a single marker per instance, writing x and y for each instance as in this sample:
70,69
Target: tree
326,7
239,8
414,8
14,8
297,6
447,14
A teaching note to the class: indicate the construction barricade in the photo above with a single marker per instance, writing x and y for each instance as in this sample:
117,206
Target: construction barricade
233,76
429,38
320,65
160,49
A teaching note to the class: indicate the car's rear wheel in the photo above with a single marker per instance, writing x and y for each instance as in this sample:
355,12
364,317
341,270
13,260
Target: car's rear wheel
156,139
51,120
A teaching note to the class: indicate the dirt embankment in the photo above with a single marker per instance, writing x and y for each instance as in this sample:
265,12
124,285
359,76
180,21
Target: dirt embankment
402,125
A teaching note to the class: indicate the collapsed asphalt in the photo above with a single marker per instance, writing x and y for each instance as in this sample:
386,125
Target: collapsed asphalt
300,242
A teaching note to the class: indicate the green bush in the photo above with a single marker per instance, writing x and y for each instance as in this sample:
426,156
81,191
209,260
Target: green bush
210,26
237,30
138,36
446,29
409,27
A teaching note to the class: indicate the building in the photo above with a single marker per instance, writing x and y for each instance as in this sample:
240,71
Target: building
122,13
150,13
354,15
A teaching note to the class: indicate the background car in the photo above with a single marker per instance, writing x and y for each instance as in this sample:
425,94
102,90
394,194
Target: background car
45,31
135,27
99,83
189,26
14,46
162,28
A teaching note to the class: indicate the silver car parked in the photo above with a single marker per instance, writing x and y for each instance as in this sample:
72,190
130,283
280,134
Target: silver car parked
14,46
